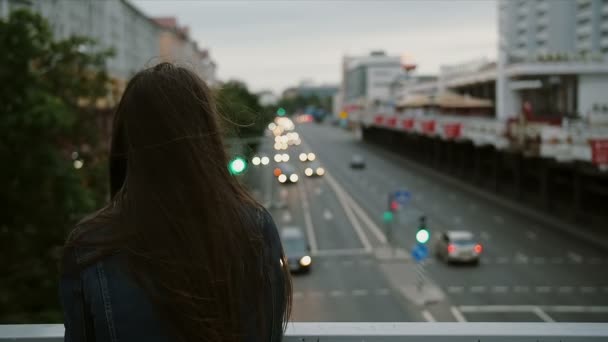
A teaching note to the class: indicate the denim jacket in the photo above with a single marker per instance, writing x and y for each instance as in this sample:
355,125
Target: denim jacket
101,302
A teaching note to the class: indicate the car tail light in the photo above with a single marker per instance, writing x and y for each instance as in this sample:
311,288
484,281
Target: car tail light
451,248
478,248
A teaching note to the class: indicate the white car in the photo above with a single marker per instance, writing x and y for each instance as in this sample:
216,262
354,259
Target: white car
457,246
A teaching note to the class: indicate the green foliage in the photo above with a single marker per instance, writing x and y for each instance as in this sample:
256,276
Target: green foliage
242,113
299,103
47,111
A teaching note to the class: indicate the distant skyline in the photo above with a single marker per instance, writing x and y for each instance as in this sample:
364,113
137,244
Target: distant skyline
276,44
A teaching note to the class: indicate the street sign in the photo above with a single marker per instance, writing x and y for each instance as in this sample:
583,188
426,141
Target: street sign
420,252
402,196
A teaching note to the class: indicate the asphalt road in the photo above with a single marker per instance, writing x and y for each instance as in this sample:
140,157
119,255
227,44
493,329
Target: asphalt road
528,271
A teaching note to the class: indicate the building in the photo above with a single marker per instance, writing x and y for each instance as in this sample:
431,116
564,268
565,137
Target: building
366,83
137,40
176,46
552,57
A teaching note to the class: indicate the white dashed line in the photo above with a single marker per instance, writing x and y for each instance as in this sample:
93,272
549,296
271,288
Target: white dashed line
336,293
565,289
359,292
575,257
457,314
327,215
455,289
427,316
499,219
520,258
316,294
500,289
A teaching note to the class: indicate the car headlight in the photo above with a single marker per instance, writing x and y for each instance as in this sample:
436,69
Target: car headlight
305,261
293,178
320,171
308,171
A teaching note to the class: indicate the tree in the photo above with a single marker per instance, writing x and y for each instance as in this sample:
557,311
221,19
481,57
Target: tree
243,117
52,160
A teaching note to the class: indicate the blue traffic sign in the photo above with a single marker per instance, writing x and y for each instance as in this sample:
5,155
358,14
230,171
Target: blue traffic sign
420,252
402,196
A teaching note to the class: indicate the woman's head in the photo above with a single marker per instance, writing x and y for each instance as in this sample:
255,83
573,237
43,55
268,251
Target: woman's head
186,224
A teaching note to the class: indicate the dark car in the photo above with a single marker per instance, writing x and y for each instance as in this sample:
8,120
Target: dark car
357,162
288,174
296,249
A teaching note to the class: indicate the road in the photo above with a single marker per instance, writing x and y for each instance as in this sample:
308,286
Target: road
528,271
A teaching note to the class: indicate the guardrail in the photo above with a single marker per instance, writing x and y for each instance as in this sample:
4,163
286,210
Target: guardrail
422,332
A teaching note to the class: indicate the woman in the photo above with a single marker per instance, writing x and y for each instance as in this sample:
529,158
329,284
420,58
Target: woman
182,252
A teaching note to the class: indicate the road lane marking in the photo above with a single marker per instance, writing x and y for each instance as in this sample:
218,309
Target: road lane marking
521,258
565,289
286,217
327,215
557,260
531,235
457,314
362,215
500,289
499,219
455,289
427,316
336,293
341,252
343,199
310,232
478,289
359,292
533,309
575,257
542,315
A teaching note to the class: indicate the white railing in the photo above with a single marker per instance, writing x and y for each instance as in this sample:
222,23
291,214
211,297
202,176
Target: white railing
423,332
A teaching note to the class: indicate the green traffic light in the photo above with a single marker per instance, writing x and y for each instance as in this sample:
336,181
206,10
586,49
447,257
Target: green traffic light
422,236
281,111
387,216
237,166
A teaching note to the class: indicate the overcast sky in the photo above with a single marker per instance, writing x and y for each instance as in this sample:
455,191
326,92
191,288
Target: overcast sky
275,44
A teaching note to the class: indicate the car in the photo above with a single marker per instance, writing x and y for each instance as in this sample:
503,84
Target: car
357,162
457,246
297,250
287,174
314,169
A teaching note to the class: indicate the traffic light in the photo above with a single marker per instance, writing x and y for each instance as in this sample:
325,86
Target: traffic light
281,111
387,216
394,206
237,165
422,235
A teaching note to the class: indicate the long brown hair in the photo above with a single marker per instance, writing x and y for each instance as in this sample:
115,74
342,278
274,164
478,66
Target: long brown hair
191,234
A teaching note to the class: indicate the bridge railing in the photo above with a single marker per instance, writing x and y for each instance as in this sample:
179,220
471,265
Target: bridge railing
385,332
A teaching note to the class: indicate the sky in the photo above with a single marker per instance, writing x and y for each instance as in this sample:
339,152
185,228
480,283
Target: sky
276,44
